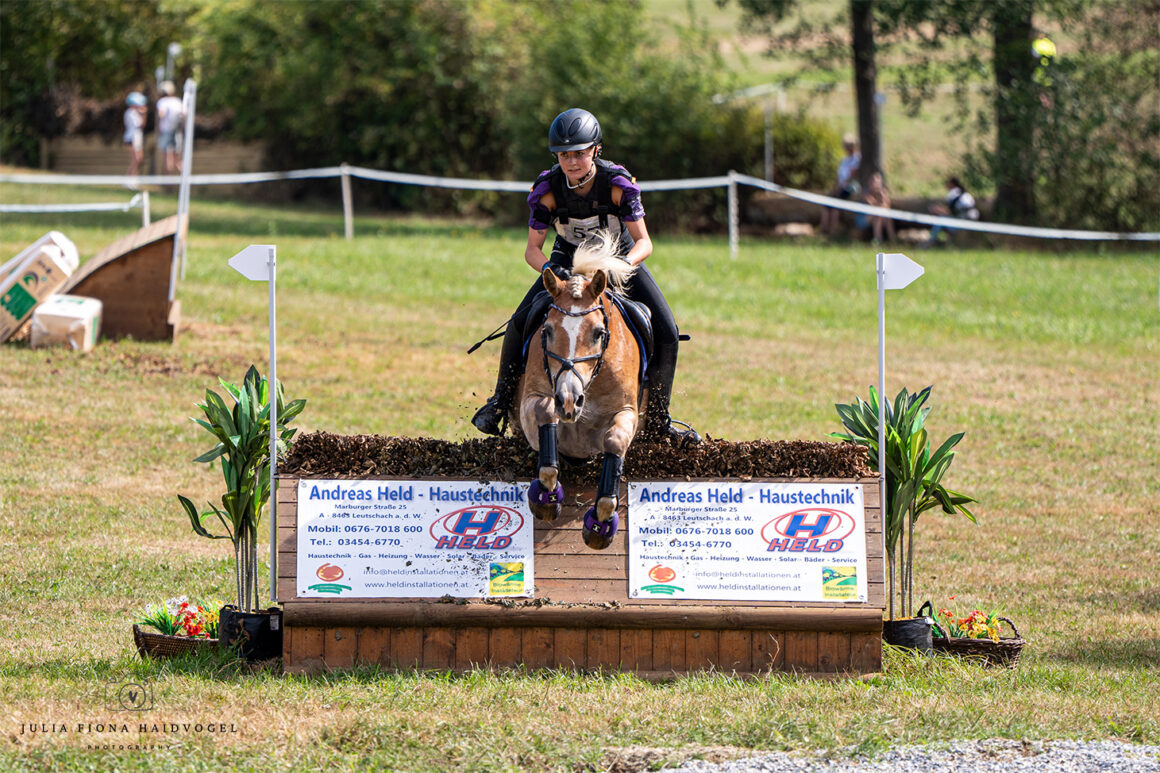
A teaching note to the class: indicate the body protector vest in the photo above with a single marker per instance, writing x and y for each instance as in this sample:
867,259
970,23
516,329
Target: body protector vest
576,217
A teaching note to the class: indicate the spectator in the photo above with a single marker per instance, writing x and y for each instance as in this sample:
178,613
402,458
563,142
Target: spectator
170,113
877,195
134,136
847,180
959,204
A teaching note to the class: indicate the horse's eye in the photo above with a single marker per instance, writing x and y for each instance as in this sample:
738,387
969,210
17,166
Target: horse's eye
549,331
598,334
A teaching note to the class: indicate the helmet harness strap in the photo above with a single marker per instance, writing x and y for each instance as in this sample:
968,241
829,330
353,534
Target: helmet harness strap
583,182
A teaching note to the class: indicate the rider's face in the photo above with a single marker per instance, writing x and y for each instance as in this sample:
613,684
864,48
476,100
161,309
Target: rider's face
577,163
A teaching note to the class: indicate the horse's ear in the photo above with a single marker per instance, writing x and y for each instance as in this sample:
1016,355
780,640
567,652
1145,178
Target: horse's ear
551,282
599,283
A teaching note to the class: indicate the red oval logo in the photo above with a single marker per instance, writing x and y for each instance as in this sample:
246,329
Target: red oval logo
329,573
661,573
810,523
478,521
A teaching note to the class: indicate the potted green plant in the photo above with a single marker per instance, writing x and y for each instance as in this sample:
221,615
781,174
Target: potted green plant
913,485
242,432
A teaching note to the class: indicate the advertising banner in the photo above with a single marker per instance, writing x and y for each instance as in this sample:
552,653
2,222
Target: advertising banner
414,539
747,541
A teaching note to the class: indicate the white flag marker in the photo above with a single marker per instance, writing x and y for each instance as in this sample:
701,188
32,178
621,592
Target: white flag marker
258,263
895,271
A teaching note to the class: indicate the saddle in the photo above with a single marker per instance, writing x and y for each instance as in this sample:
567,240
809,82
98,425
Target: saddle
637,316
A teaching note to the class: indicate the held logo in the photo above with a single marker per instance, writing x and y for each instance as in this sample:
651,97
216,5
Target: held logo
490,527
663,576
330,575
812,530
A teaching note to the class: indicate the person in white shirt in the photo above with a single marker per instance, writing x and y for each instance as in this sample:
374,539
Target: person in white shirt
134,136
169,117
846,182
959,203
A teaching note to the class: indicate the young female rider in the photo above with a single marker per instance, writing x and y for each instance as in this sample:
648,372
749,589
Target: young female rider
579,195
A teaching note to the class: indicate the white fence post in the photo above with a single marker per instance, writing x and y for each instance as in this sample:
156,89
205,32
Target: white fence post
347,204
145,208
189,106
734,216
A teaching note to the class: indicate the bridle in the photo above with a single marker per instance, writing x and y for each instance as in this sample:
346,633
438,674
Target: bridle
570,364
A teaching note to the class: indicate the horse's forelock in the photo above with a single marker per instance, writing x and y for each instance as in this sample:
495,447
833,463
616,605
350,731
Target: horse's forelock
599,252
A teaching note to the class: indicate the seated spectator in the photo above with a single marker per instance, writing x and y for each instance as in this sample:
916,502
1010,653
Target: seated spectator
959,203
846,182
877,195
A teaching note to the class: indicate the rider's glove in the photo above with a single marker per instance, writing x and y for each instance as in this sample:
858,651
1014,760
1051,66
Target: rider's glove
561,273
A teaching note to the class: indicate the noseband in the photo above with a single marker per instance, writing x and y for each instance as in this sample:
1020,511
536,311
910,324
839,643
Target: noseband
570,364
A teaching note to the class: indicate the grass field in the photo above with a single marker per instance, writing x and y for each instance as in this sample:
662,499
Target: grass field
1048,361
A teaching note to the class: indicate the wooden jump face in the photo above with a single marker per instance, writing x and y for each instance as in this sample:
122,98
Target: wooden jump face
581,616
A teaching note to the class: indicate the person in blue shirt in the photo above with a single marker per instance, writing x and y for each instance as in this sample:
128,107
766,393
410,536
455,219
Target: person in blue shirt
580,195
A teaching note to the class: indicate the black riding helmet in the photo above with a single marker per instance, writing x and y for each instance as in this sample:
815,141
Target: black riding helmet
573,129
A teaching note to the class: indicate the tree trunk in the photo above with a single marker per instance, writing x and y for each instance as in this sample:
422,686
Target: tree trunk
866,87
1016,110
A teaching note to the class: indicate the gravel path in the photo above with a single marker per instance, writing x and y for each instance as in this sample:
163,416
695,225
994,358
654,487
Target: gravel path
990,756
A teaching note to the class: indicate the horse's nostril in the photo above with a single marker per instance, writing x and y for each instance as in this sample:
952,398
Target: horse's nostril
579,400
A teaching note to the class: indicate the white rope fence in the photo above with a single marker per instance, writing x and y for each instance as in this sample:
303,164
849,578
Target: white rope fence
140,200
729,181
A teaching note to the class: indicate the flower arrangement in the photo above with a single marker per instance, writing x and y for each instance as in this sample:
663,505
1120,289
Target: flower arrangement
180,617
976,625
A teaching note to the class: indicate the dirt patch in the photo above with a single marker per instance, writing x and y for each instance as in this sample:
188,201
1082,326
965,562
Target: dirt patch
323,455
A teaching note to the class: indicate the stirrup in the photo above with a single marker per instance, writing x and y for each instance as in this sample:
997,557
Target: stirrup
491,419
683,437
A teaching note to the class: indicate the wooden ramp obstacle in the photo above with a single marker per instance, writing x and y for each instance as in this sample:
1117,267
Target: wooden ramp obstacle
132,277
582,617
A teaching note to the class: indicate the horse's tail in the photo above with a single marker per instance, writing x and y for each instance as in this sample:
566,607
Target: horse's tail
599,252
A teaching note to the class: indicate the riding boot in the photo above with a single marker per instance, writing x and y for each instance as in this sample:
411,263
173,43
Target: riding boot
658,425
492,418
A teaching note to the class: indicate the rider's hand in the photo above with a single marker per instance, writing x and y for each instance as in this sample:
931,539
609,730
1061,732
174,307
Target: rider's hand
561,273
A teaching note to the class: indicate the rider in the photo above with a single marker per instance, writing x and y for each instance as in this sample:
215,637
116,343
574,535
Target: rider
579,195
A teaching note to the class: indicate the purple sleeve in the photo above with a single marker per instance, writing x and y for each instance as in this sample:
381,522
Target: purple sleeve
630,195
539,217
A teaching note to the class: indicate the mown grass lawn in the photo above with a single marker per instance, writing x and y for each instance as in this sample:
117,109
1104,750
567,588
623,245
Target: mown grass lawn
1048,360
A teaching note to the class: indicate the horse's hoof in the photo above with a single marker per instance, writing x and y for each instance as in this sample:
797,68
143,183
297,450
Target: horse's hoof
544,504
598,534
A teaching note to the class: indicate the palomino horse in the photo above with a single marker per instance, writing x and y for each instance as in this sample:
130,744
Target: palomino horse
580,394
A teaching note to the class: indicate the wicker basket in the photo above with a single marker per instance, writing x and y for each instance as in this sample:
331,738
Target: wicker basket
986,652
161,645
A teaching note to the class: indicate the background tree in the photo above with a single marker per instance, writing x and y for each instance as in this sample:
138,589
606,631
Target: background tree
463,88
53,49
1099,96
863,53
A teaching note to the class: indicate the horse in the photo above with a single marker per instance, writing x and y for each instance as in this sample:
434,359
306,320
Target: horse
581,391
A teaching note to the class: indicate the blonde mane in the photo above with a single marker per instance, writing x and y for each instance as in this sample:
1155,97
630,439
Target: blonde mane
599,252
